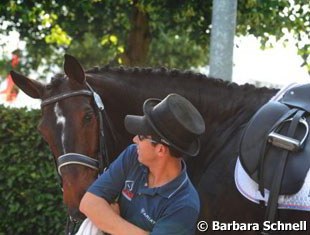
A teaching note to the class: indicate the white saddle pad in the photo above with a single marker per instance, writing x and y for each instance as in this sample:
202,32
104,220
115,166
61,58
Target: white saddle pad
249,189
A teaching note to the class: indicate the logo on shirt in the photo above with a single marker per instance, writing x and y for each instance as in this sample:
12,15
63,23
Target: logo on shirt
148,217
127,190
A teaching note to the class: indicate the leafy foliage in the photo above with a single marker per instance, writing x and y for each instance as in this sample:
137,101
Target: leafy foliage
5,66
31,199
265,19
173,33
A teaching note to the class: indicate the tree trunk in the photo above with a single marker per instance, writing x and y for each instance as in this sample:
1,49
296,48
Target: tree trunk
139,38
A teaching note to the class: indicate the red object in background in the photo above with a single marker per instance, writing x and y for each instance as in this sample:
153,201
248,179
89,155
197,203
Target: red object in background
10,92
15,60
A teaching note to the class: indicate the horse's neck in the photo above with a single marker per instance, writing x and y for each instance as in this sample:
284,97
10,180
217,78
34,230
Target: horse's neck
238,101
224,126
224,106
125,93
231,107
228,110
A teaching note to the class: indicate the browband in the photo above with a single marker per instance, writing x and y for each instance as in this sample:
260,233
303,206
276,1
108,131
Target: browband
62,96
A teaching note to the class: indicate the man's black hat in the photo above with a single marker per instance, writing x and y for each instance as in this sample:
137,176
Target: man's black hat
174,120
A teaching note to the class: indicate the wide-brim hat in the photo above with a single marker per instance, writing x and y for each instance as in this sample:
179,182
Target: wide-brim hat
174,120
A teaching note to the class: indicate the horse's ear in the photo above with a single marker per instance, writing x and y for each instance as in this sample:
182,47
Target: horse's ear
73,69
31,87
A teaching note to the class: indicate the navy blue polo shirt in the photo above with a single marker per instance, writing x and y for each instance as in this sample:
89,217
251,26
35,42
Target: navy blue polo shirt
170,209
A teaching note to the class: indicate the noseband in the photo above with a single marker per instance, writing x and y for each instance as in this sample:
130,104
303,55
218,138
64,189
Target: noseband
77,158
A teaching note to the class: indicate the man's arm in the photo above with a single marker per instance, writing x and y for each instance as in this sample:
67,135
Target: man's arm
100,212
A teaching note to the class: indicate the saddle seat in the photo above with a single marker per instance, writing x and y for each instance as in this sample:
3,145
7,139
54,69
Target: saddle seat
266,138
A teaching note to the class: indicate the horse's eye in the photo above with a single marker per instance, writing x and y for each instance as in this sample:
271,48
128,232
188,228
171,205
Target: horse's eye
88,117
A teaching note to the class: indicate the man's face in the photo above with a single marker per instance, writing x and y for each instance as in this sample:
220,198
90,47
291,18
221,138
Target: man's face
146,149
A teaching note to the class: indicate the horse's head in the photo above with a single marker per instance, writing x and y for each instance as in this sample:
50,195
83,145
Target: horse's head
70,126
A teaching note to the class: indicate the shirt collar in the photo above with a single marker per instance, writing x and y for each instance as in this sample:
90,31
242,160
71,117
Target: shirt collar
169,189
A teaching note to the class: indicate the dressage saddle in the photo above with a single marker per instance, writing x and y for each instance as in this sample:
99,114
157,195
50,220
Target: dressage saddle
274,149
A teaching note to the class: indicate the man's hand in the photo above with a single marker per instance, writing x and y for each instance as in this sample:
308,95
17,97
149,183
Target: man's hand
106,217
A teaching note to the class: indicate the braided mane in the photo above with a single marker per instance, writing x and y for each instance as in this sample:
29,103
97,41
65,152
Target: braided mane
170,73
161,71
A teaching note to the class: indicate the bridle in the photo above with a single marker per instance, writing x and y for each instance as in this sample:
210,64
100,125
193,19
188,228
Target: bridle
80,159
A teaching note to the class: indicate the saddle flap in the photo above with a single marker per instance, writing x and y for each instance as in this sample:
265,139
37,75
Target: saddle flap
298,97
254,139
256,132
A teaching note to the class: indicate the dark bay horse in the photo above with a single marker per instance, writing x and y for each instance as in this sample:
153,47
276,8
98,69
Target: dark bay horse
70,124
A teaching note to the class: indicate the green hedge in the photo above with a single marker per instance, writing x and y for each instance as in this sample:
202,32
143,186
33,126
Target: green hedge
30,195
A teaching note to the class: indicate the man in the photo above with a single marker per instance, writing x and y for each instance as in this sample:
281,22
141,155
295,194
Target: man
149,179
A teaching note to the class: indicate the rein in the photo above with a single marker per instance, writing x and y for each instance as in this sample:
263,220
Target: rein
80,159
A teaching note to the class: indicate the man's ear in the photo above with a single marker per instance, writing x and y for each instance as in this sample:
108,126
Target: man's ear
162,149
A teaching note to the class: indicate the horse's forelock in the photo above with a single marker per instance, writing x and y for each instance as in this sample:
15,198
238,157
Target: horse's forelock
56,80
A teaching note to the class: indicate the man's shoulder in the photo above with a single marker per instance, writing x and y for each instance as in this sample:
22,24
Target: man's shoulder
187,197
191,195
131,149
